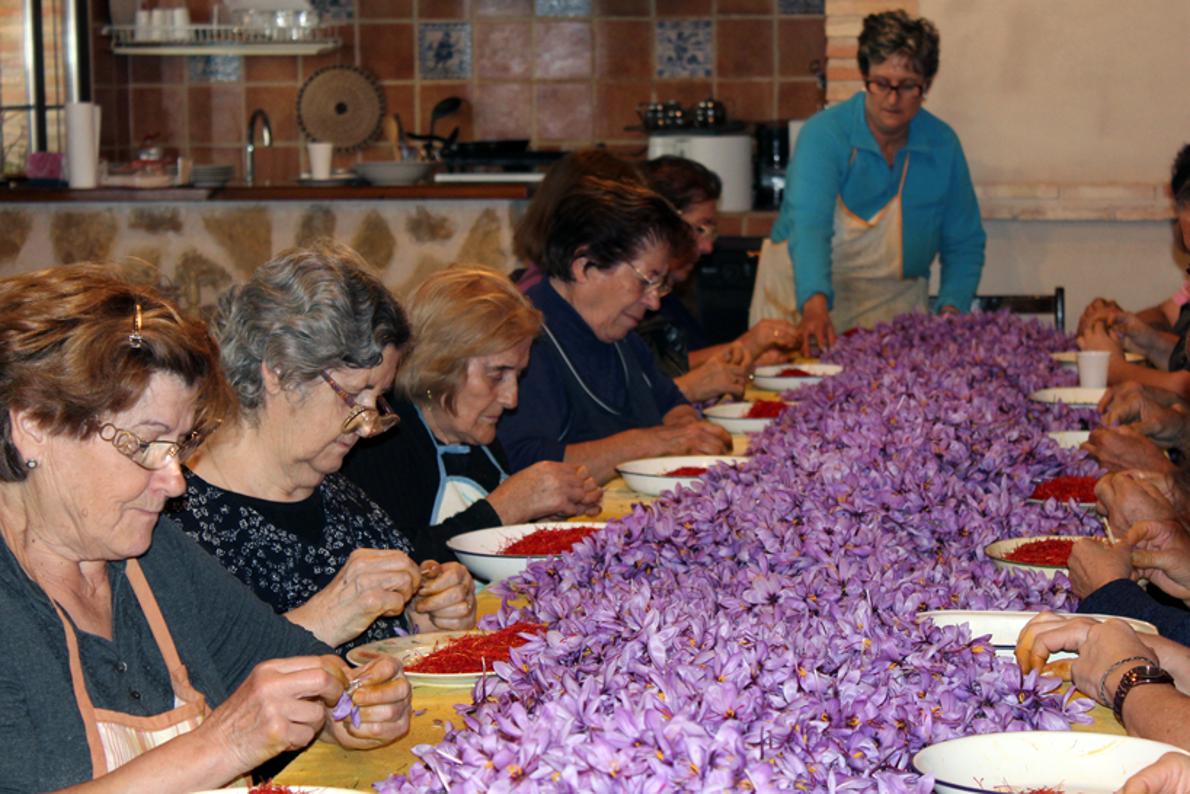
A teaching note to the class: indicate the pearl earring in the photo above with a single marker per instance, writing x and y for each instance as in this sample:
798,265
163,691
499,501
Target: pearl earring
31,464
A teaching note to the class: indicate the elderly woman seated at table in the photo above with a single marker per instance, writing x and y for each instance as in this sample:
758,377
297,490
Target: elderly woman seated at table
592,393
442,472
310,343
132,661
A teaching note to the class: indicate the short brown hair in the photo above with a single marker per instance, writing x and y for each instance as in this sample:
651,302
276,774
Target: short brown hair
528,239
896,33
67,358
458,314
610,223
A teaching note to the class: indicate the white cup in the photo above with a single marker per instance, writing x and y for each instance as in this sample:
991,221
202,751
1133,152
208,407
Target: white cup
1092,368
320,159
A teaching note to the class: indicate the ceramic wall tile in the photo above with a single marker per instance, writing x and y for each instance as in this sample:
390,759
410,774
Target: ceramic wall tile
215,68
562,8
684,48
444,50
801,6
335,9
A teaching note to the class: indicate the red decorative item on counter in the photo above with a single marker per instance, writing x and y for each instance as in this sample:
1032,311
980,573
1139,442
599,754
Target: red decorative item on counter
686,471
766,409
270,788
1080,489
794,372
1042,552
548,541
475,652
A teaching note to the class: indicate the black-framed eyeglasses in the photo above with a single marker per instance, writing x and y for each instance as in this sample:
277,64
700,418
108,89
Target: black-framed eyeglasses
660,286
906,88
151,455
706,231
363,419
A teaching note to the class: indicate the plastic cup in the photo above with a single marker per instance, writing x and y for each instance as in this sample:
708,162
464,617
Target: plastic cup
1092,368
320,159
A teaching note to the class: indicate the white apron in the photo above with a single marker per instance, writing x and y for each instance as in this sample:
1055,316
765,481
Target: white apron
867,271
455,493
115,738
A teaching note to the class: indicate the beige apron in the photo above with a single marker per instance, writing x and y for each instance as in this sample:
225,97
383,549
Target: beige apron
867,271
115,738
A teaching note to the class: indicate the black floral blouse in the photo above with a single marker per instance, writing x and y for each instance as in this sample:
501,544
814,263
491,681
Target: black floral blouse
288,551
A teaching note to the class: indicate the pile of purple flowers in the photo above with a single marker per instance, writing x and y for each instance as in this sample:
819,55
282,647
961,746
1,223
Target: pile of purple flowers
760,631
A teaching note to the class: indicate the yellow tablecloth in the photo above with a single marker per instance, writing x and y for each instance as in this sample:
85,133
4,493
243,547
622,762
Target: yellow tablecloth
329,765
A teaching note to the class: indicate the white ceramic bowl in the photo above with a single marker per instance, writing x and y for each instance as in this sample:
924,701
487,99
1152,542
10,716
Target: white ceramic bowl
1069,439
996,553
1086,763
1071,395
1005,626
295,789
771,379
648,475
394,173
410,648
733,417
479,550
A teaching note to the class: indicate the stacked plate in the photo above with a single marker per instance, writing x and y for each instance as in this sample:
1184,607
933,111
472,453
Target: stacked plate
210,175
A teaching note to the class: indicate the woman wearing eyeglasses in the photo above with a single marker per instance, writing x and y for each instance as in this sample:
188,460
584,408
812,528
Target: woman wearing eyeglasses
443,473
592,393
129,659
877,188
310,344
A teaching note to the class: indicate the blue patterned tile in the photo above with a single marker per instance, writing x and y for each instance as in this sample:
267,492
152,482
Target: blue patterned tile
215,68
685,48
801,7
562,8
334,9
444,50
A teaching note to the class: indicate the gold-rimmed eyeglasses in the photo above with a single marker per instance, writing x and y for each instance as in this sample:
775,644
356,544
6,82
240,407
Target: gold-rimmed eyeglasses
363,419
906,88
151,455
660,286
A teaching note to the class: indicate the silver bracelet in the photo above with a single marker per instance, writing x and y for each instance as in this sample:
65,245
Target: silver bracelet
1103,680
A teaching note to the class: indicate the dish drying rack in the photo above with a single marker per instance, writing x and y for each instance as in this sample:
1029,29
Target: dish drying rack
222,40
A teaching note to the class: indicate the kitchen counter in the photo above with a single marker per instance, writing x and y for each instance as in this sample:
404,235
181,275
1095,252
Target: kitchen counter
279,192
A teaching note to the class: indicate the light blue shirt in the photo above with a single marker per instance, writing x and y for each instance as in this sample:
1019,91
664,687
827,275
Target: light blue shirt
941,213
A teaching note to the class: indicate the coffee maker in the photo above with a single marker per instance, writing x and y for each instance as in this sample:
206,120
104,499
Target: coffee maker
772,156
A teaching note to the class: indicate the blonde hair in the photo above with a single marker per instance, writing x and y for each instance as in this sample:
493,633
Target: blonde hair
458,314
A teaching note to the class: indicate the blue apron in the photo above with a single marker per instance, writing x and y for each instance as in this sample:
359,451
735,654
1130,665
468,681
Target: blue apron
455,493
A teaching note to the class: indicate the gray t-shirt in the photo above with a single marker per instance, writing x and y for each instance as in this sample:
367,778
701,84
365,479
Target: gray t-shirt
220,628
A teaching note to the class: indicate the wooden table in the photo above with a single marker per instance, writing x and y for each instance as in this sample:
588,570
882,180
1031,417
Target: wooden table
330,765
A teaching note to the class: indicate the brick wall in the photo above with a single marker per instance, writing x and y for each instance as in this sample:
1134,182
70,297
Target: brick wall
563,73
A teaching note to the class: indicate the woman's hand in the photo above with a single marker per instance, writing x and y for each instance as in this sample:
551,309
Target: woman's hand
372,583
1131,496
816,329
1161,554
1099,310
693,438
1156,413
383,698
1098,645
1093,564
1123,448
1169,775
547,488
446,598
771,334
714,378
282,705
1098,337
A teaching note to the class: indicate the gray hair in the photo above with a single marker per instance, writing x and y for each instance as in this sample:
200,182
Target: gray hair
306,310
896,33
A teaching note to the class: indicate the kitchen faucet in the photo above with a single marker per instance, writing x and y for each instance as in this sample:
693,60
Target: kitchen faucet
250,148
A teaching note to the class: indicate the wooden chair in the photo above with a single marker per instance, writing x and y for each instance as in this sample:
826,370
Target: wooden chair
1053,304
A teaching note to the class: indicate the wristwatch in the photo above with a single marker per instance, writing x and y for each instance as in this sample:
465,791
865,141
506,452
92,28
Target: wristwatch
1137,676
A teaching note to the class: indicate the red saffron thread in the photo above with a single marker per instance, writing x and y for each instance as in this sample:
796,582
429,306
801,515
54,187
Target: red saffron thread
1080,489
686,471
795,372
269,787
1042,552
474,653
766,409
548,541
1043,791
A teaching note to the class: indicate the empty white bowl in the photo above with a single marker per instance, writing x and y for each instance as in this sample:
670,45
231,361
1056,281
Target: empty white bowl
394,173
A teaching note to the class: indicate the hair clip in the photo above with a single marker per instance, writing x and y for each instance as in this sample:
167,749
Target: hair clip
135,340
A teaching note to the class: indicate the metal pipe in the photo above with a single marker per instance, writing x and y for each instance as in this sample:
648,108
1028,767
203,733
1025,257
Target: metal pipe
250,148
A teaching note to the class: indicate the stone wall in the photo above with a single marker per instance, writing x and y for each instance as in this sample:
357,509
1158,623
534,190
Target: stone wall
195,250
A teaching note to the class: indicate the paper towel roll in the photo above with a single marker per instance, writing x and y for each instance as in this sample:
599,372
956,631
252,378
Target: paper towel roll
82,144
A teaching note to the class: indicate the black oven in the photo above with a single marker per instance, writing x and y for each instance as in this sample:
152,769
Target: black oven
723,287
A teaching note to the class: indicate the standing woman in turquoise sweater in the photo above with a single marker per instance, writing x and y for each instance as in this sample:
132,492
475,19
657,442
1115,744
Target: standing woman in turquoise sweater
876,189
